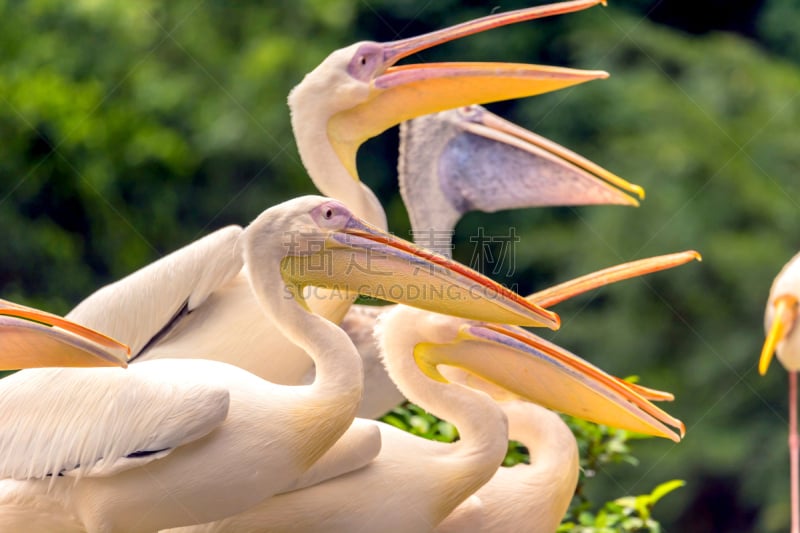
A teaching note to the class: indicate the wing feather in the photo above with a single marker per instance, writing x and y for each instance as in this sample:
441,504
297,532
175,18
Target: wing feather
99,421
136,308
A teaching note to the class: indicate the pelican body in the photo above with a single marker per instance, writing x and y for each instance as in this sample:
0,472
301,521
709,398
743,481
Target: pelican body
413,484
172,442
525,498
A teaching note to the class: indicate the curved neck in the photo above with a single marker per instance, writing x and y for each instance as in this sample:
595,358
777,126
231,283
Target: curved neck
551,445
339,372
326,170
433,217
480,422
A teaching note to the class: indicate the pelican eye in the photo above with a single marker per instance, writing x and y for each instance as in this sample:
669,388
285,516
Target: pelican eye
366,61
471,113
331,215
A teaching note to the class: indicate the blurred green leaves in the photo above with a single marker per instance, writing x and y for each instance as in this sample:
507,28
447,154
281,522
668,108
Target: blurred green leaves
626,514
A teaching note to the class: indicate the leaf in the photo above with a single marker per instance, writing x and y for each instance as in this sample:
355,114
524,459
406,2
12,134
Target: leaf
665,488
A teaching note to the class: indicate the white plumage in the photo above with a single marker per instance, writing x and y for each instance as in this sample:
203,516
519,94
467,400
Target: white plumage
413,484
525,498
153,448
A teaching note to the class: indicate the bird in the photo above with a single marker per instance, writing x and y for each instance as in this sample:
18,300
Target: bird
171,442
199,296
525,498
372,94
413,484
533,498
469,159
380,390
780,319
30,338
529,498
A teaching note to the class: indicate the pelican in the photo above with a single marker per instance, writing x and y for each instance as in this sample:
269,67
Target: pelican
486,163
413,483
525,498
172,442
379,388
30,338
200,296
195,296
780,319
482,162
443,364
366,93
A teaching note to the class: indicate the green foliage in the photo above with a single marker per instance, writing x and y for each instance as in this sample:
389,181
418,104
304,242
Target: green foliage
416,420
626,514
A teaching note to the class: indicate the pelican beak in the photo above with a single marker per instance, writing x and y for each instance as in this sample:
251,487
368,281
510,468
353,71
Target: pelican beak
31,338
569,289
783,319
556,175
399,93
539,371
358,258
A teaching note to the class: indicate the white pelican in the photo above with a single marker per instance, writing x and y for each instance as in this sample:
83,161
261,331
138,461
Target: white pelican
780,319
30,338
172,442
359,322
432,357
525,498
200,297
469,159
365,93
414,483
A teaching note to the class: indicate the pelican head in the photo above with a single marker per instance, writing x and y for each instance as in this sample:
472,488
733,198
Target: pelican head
780,319
514,363
468,159
358,92
325,245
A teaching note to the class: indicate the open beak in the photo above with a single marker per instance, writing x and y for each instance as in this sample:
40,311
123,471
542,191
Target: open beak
32,338
568,179
539,371
403,92
569,289
783,318
362,259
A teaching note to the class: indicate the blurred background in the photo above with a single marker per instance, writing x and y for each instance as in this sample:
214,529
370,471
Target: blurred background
128,129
